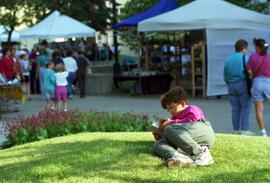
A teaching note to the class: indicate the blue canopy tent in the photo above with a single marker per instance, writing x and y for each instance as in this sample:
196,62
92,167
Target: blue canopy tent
162,7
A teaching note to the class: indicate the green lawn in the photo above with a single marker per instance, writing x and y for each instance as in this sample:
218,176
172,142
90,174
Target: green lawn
128,157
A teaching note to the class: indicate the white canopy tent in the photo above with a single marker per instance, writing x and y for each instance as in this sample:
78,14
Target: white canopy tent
15,36
224,23
57,25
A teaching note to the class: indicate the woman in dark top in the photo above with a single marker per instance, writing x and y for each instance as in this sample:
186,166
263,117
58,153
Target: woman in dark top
56,58
82,63
34,83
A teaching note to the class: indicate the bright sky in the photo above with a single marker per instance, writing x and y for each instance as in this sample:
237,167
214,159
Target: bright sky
121,1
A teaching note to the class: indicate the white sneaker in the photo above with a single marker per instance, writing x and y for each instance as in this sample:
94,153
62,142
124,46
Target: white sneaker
204,158
236,132
263,133
180,160
247,133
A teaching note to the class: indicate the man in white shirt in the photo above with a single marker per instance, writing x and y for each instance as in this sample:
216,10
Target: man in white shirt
71,66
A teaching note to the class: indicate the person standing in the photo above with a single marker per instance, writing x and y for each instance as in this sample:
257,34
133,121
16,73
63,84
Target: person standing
7,68
26,68
34,86
70,66
17,66
82,63
235,79
61,87
259,67
42,59
56,58
45,45
49,86
7,65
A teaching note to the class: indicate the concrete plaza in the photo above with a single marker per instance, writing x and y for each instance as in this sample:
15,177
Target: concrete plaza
218,111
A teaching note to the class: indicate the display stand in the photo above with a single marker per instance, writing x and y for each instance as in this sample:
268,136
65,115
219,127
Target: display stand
198,70
145,58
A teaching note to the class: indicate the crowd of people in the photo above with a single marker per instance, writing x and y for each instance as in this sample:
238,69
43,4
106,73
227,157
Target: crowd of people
52,73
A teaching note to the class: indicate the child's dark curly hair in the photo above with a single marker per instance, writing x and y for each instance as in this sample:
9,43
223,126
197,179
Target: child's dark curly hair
174,95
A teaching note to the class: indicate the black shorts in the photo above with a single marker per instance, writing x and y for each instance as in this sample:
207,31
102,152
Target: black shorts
26,79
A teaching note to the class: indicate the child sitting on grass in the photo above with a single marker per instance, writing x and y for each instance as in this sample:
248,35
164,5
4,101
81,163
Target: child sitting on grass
186,137
61,86
49,85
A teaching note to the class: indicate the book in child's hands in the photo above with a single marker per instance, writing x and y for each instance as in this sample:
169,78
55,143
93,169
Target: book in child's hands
154,126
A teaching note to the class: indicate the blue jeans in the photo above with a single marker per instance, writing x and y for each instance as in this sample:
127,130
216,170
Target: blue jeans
42,71
71,78
240,102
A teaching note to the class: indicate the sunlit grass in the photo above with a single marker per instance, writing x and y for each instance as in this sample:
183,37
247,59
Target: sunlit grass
128,157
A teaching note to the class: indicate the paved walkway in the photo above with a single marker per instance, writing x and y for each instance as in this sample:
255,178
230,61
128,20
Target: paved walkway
217,111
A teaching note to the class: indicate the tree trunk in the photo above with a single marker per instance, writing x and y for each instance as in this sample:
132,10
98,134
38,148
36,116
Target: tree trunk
9,36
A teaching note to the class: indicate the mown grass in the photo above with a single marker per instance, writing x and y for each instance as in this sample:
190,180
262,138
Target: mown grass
128,157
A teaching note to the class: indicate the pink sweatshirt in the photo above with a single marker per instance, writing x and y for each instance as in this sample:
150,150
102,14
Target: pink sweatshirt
191,114
259,65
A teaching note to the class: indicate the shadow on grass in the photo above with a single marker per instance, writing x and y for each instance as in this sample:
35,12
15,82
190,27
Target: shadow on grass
81,158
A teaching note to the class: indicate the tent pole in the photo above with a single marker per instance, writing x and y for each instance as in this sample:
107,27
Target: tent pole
205,62
115,40
177,76
139,45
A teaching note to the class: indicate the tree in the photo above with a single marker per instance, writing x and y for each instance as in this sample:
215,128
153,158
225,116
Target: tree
9,17
94,13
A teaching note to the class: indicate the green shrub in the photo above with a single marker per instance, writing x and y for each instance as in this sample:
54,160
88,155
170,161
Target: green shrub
48,124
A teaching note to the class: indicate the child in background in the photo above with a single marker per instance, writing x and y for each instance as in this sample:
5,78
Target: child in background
186,137
49,85
26,67
61,86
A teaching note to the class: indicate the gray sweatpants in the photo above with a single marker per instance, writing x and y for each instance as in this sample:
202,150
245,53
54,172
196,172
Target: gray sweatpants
186,138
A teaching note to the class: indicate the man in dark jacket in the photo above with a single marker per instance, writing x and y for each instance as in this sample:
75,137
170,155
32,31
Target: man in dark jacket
82,63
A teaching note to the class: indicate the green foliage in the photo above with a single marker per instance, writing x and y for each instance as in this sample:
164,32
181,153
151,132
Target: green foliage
48,124
129,158
20,137
134,7
257,6
94,13
9,16
41,134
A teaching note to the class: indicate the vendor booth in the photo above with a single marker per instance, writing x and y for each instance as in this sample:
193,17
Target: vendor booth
146,80
222,23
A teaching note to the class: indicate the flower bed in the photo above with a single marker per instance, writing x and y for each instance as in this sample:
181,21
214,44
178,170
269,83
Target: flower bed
48,124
